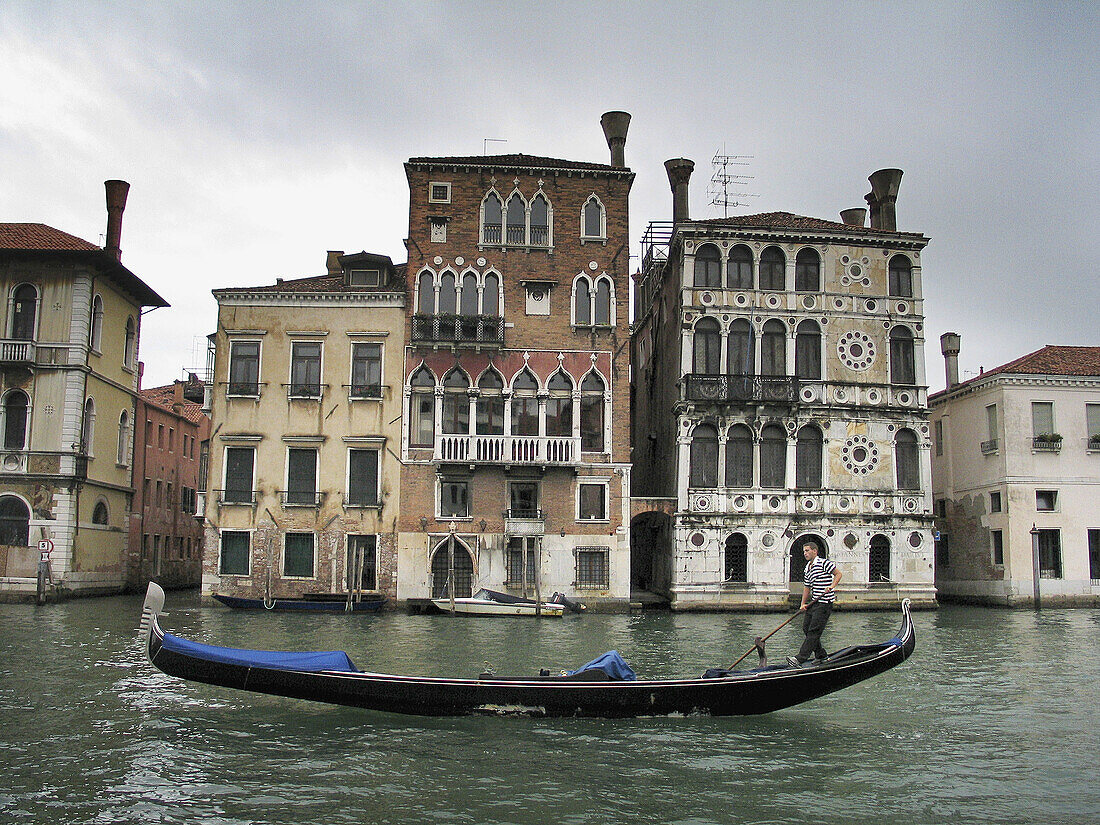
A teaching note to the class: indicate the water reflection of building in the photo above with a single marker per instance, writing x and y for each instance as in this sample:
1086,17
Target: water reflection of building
779,395
302,490
516,376
1016,465
69,371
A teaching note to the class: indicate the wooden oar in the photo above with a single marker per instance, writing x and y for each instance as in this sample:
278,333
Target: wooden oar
758,644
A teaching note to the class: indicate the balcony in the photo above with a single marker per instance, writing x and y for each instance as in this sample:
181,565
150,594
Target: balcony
741,389
244,497
1046,443
301,498
989,447
523,522
458,330
14,351
508,449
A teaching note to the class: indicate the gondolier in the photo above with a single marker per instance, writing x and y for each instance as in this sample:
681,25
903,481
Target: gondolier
818,596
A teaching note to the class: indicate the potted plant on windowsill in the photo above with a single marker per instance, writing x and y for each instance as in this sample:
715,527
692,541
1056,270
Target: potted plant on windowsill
1094,442
1048,441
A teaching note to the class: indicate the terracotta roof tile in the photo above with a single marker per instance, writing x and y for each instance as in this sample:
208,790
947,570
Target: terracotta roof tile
37,237
1054,360
788,220
165,397
316,283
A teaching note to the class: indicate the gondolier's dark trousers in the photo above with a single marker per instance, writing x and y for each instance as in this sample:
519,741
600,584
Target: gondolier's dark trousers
817,616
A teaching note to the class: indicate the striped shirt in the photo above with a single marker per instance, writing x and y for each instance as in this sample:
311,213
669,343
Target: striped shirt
818,576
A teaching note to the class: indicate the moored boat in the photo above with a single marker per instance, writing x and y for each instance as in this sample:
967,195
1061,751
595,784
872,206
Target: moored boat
492,603
330,676
317,602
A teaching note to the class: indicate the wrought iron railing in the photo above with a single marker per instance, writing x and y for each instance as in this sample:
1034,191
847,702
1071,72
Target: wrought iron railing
741,388
458,329
989,447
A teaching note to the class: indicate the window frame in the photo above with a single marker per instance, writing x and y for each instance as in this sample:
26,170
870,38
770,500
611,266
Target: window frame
465,484
296,494
304,388
222,571
238,448
433,197
237,388
367,390
375,500
593,199
604,485
299,534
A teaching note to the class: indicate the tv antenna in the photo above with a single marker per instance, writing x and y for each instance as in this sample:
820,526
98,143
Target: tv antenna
723,181
486,141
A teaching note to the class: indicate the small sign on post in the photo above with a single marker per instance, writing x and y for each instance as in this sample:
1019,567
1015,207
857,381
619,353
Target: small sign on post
45,547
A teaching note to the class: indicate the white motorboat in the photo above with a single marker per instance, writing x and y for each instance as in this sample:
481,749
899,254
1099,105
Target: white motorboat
490,603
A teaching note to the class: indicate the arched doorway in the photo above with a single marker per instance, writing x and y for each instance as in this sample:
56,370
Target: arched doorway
650,544
798,561
463,569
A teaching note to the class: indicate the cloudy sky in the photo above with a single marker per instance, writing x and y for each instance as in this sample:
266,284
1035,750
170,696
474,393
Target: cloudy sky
256,136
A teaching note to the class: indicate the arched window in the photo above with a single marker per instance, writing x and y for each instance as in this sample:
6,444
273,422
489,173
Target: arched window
582,301
739,268
707,348
807,351
492,217
448,294
559,406
708,267
704,457
456,403
901,277
740,355
773,457
807,271
24,312
602,308
525,404
15,519
100,515
773,349
773,269
592,416
469,302
129,352
95,337
798,561
516,232
490,295
425,302
422,409
16,405
124,438
807,458
490,404
87,431
878,567
739,456
540,221
907,458
903,367
736,567
592,225
462,572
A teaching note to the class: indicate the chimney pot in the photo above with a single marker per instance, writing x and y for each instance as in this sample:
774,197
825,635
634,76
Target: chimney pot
679,173
615,125
332,261
950,344
116,204
883,197
854,217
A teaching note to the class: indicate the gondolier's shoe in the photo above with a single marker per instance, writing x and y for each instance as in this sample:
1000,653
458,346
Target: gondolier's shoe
794,661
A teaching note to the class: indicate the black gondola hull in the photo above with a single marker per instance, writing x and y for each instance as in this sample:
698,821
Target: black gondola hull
740,693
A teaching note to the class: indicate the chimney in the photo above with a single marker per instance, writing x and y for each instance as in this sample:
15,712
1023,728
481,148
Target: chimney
854,217
883,197
949,346
332,262
116,203
679,173
614,129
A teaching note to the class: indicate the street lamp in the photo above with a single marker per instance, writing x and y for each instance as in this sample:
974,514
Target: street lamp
1035,563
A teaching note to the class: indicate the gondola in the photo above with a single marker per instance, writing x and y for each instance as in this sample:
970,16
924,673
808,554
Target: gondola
330,676
316,602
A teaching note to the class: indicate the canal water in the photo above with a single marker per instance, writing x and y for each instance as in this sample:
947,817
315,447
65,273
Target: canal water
995,719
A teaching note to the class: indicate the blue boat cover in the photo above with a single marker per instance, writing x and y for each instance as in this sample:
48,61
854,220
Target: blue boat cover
610,663
312,661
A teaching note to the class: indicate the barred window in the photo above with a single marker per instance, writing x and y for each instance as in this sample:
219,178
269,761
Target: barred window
878,569
298,555
593,568
737,558
234,553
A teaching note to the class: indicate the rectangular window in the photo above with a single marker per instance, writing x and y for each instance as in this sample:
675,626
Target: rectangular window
160,436
298,555
454,499
1050,554
522,560
439,192
362,478
593,568
1042,418
366,370
362,563
239,462
234,553
592,502
160,493
1092,422
364,277
1094,556
305,369
171,439
939,437
995,501
991,422
1046,500
523,499
939,508
301,476
998,547
244,368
